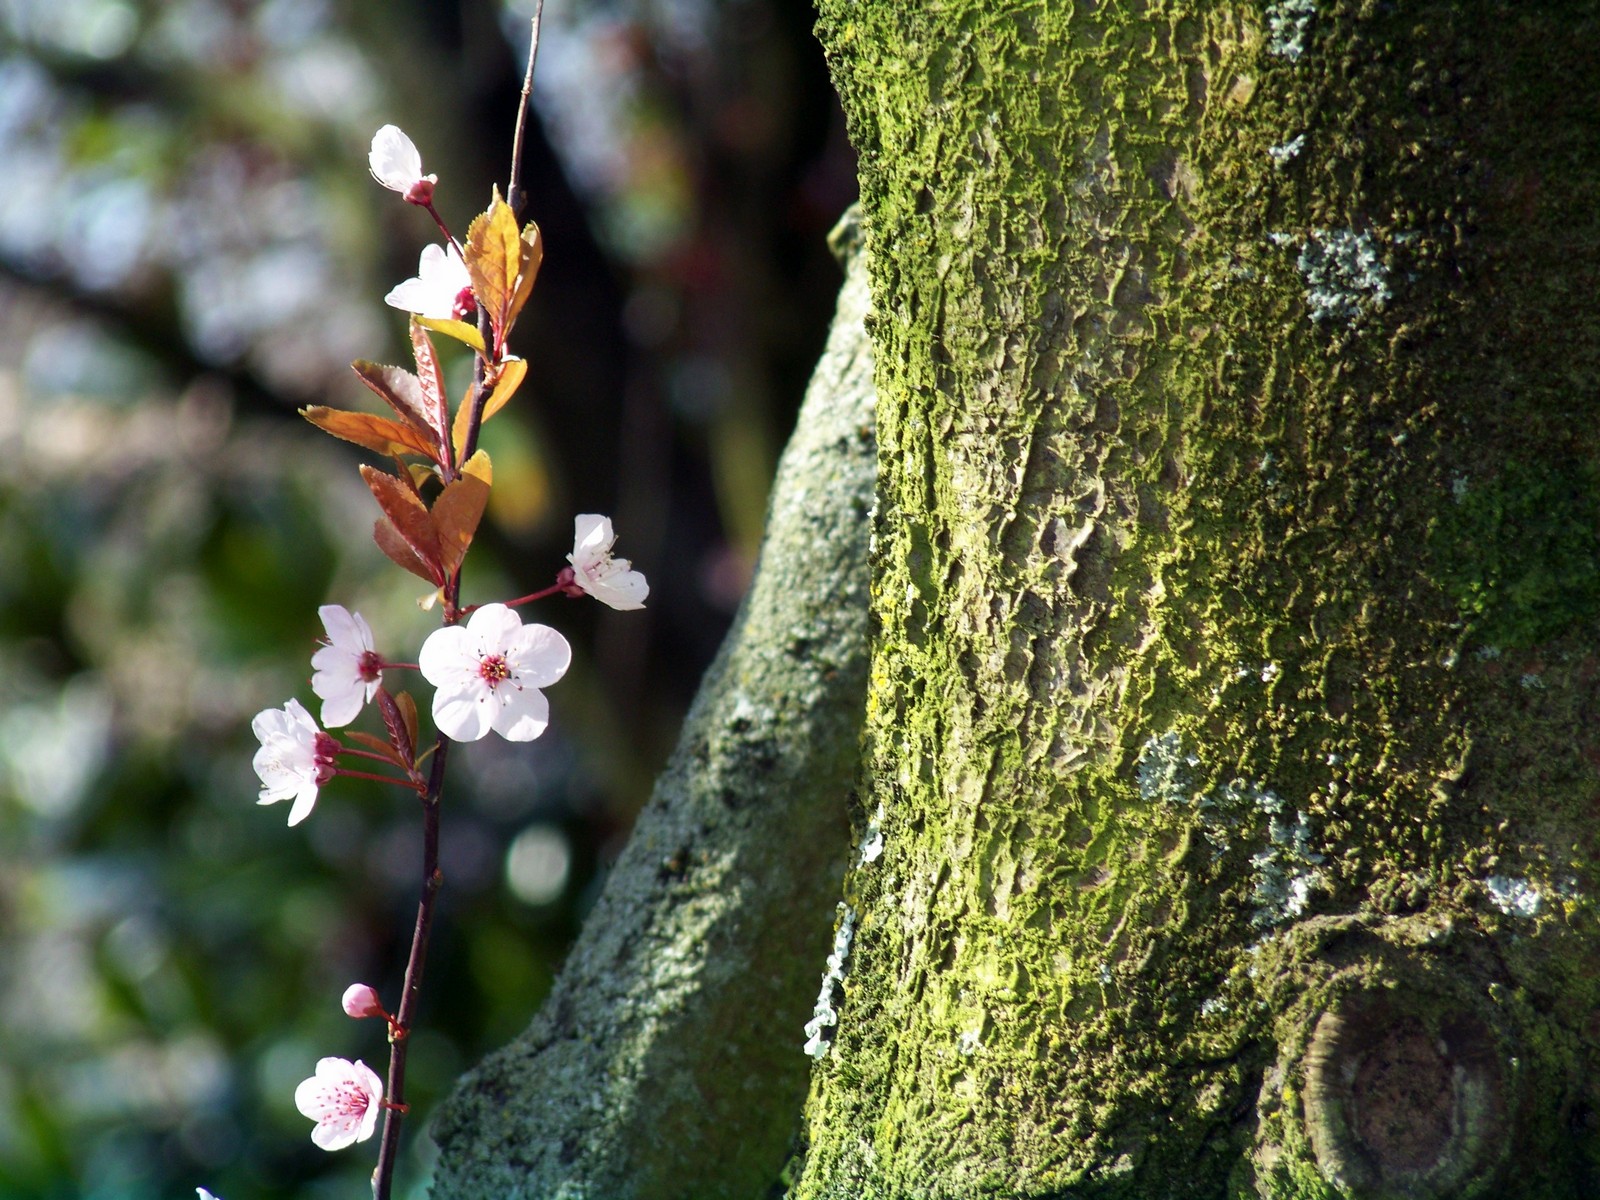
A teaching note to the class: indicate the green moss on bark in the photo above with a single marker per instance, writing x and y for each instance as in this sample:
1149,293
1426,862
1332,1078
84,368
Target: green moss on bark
1235,574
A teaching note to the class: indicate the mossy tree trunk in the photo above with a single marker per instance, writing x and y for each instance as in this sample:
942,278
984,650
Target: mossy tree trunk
1230,731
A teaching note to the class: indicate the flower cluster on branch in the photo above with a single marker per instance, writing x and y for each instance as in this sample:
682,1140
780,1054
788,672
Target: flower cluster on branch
488,669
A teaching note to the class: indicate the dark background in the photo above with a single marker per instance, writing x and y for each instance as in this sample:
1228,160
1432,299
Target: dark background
190,249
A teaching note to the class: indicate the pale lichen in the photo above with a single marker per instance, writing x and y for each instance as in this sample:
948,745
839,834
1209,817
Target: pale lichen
823,1014
1282,153
1344,275
1288,23
1163,771
1514,897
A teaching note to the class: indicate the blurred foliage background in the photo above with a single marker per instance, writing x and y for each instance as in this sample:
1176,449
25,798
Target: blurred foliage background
190,249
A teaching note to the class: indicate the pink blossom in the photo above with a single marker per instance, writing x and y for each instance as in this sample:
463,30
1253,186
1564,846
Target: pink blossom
360,1000
295,759
609,580
441,290
343,1098
488,673
395,163
347,668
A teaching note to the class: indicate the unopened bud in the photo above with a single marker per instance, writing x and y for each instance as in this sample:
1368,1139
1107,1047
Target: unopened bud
360,1001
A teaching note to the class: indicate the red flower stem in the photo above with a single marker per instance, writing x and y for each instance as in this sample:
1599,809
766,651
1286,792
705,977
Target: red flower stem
400,666
443,228
367,754
405,783
528,599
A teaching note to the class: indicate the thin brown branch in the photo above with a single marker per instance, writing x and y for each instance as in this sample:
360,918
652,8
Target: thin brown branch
514,195
399,1040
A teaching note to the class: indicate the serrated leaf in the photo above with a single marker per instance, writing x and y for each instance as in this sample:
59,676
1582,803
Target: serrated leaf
395,548
460,330
408,714
436,404
459,508
409,518
404,745
493,254
401,391
511,374
375,433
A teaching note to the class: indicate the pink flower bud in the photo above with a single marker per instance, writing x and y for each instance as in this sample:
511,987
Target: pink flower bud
362,1001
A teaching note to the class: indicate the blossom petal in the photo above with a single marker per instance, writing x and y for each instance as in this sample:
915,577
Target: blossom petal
621,589
464,711
538,656
447,654
520,714
346,630
494,625
394,160
592,536
304,802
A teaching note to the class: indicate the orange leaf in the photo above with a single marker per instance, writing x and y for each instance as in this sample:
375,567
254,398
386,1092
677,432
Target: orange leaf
402,555
435,405
459,508
408,714
400,390
493,254
410,521
511,374
375,433
532,254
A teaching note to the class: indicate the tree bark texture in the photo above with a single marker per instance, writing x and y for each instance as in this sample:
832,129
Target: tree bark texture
1236,596
667,1062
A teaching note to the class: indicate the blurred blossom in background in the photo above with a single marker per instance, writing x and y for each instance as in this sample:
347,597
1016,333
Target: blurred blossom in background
190,249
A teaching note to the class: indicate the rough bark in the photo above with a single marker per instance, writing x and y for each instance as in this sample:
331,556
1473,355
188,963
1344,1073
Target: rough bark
667,1062
1236,592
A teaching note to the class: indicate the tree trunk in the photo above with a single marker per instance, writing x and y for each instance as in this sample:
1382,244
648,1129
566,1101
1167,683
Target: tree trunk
1236,596
667,1063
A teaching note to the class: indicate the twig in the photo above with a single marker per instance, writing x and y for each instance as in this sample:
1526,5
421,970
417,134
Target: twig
514,196
432,879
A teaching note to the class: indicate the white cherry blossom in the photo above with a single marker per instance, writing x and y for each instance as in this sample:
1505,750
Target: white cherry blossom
441,290
488,673
295,759
395,163
609,580
343,1098
205,1195
347,668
